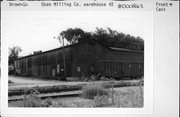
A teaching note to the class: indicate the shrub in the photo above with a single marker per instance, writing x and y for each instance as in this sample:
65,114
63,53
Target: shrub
90,91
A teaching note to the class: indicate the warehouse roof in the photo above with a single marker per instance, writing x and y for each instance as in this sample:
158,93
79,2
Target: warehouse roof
122,49
111,48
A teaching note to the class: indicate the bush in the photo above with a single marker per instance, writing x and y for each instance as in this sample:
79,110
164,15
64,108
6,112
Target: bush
90,91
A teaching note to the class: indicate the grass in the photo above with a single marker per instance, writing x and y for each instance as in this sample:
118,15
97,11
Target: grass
32,100
102,101
124,97
93,95
129,98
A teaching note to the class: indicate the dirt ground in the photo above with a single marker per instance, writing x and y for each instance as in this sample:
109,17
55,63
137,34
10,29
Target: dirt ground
20,82
23,82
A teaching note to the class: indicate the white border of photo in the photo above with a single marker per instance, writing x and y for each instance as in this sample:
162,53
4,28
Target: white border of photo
148,83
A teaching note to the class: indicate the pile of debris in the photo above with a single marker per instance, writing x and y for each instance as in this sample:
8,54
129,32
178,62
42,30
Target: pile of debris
98,77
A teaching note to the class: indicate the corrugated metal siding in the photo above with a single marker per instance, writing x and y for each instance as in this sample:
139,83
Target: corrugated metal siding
80,60
121,69
83,60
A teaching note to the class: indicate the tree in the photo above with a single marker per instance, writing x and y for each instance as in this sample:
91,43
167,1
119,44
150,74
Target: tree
14,54
108,37
75,35
113,38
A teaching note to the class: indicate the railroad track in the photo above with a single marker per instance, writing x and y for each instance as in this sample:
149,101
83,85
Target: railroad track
70,92
47,95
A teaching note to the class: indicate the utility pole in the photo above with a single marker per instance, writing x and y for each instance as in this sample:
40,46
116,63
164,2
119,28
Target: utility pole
64,60
64,56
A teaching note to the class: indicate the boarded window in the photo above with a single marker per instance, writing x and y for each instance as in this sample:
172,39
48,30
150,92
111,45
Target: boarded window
78,69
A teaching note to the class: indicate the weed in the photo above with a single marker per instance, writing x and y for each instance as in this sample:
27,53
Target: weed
132,98
102,101
90,91
32,99
47,102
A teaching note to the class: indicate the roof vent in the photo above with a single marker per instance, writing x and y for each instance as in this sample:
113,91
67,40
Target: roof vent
37,52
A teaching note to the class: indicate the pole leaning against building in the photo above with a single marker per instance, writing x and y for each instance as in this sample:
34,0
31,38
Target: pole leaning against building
64,60
64,56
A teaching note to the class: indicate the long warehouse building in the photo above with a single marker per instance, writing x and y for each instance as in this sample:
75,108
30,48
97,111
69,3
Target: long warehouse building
82,60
